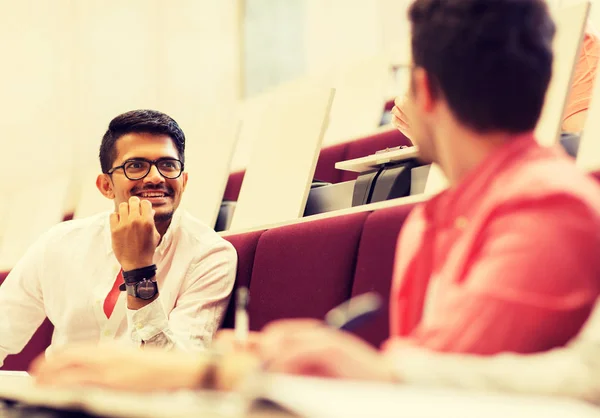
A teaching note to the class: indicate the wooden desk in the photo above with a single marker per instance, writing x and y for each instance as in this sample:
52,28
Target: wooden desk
373,161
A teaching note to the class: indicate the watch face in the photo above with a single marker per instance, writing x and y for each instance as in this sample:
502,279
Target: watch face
146,289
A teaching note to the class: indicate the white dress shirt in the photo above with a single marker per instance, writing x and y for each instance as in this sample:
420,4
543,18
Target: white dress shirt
571,371
67,274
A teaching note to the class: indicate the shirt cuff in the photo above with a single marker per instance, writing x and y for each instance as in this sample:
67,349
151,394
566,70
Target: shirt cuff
147,322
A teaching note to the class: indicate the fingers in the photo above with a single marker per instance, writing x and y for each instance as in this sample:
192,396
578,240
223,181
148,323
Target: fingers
225,341
303,352
123,212
398,101
399,118
399,123
134,207
146,210
64,366
279,335
114,220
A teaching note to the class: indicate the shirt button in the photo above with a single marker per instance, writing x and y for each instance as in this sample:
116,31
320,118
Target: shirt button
461,222
107,333
139,326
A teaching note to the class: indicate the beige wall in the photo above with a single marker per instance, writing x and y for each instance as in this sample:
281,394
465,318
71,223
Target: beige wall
70,66
340,32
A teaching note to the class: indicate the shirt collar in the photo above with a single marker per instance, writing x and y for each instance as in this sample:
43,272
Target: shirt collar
164,243
457,199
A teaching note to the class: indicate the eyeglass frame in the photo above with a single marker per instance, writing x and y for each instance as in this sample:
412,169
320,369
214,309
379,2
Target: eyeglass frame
152,163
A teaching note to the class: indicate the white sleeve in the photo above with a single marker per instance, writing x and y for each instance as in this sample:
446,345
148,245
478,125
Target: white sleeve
200,306
21,302
572,371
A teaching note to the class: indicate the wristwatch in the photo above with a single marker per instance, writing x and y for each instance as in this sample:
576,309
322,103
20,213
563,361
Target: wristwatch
145,289
140,283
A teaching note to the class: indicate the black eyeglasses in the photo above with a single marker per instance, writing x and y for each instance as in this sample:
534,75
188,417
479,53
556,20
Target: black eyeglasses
138,168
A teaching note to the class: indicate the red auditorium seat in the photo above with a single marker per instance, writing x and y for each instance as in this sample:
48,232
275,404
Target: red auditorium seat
245,246
375,265
234,184
328,156
303,270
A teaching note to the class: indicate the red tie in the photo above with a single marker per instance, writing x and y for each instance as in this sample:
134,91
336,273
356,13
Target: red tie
113,295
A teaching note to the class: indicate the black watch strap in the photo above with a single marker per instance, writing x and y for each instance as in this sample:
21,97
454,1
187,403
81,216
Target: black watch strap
134,276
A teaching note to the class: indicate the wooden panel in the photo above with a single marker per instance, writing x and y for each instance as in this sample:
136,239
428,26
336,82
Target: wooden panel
286,127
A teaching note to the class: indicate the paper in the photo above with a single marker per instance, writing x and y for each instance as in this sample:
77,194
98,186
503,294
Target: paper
122,404
324,398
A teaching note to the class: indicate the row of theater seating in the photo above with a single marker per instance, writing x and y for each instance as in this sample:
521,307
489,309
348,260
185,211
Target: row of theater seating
302,270
325,169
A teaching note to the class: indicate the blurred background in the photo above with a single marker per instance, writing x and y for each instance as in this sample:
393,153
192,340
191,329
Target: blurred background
69,66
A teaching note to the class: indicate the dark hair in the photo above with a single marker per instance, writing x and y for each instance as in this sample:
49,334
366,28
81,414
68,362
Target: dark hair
139,121
490,59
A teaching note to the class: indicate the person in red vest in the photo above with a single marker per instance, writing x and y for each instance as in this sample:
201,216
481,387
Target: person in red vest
504,260
586,69
148,273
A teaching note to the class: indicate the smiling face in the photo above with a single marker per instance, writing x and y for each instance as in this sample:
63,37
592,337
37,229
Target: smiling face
163,193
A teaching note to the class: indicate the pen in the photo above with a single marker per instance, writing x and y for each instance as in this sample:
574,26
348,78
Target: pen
346,316
242,298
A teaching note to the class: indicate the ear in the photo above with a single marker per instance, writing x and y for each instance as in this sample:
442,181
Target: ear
184,179
425,96
104,184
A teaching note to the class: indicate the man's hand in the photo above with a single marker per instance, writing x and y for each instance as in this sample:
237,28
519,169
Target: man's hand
225,342
134,235
124,368
308,347
399,118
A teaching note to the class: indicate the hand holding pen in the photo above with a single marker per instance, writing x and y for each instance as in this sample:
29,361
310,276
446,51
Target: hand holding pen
311,347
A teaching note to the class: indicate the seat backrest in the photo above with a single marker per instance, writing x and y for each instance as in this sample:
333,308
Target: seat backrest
360,96
328,156
284,153
375,265
208,160
36,346
303,270
245,246
234,184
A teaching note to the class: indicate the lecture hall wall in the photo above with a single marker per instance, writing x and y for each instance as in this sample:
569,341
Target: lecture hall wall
69,66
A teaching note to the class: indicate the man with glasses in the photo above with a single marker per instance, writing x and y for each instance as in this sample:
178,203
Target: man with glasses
147,273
